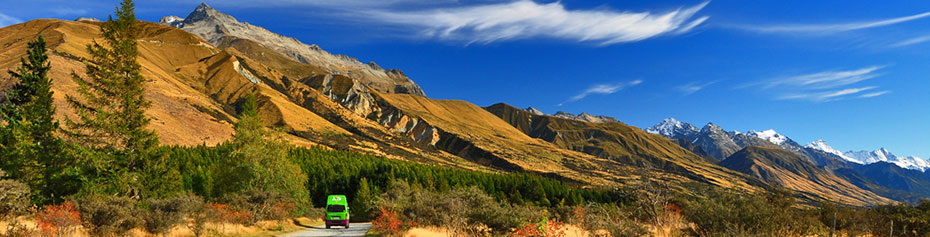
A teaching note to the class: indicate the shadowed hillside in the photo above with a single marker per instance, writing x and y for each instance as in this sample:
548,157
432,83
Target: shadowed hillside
793,172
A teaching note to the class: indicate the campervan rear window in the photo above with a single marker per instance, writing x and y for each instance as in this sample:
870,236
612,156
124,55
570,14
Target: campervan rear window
335,208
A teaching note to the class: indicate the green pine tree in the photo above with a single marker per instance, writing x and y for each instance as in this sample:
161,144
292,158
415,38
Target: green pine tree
33,152
362,201
259,160
111,112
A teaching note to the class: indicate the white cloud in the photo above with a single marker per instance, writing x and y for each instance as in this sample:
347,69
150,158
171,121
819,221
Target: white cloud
874,94
6,20
692,87
828,79
825,96
527,19
911,41
828,28
823,86
604,89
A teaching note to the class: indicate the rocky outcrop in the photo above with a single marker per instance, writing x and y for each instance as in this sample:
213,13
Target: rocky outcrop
87,19
585,117
412,127
345,91
534,111
213,26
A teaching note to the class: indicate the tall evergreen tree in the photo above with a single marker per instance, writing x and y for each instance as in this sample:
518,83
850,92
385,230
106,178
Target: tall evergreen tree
259,160
111,113
33,152
362,201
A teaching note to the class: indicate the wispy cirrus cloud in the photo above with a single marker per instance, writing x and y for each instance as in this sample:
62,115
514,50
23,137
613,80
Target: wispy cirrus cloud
874,94
527,19
604,89
819,28
693,87
6,20
823,86
824,96
828,79
912,41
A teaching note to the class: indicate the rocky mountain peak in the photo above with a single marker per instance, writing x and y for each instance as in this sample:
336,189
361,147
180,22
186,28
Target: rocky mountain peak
769,135
203,6
217,27
671,127
204,11
534,111
173,21
711,128
584,117
374,65
88,19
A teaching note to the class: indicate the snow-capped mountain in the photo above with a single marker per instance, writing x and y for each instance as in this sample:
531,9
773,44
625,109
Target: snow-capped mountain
671,127
913,162
883,155
720,144
769,135
869,157
823,146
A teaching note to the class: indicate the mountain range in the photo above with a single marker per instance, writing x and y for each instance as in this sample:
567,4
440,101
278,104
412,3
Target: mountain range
899,178
199,69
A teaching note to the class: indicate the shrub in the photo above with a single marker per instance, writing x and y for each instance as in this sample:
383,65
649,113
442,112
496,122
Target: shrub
108,215
615,220
197,211
464,211
767,214
223,213
14,198
163,214
58,220
544,228
262,205
14,201
387,223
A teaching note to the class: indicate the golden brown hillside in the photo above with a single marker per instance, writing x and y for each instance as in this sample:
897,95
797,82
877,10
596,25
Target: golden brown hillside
178,114
478,135
195,88
784,168
618,142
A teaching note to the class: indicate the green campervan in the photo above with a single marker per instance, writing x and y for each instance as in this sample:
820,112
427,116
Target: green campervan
337,211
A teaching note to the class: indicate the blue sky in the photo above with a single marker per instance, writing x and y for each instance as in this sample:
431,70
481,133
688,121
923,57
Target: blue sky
853,73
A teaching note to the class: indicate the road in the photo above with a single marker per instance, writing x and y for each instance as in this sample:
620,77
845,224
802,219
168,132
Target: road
357,229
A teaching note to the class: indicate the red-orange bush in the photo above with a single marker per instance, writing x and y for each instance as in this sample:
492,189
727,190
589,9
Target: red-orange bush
58,220
281,210
544,228
387,222
228,215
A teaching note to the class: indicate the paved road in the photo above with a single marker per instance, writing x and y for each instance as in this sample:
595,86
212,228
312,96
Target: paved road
357,229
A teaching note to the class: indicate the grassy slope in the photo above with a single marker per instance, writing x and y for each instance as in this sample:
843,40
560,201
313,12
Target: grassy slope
793,172
192,84
621,143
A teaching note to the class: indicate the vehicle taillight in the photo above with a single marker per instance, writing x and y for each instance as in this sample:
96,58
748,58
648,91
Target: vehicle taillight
347,216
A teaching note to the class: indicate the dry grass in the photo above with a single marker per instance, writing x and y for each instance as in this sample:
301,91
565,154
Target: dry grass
791,171
263,228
